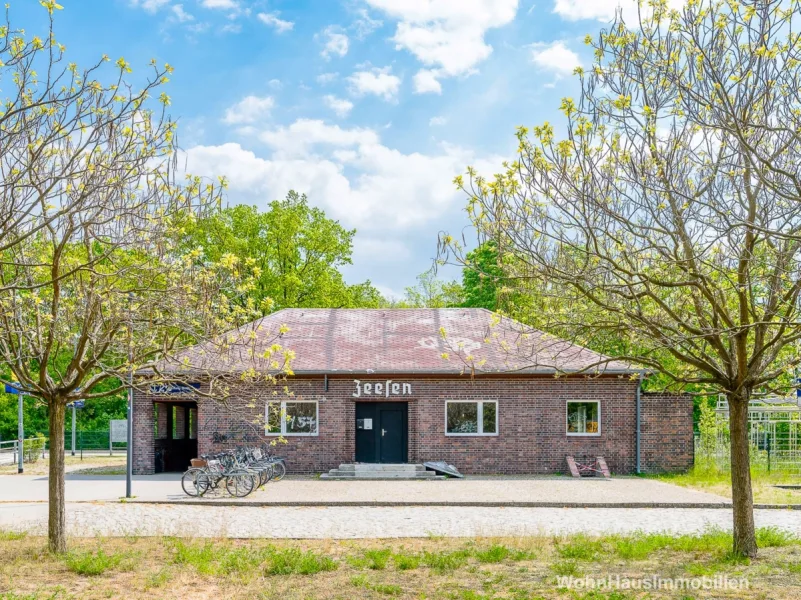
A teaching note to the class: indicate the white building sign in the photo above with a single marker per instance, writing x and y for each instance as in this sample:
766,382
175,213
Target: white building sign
119,431
382,388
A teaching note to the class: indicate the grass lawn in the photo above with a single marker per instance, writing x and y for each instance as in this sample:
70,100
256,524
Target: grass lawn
707,478
92,464
448,569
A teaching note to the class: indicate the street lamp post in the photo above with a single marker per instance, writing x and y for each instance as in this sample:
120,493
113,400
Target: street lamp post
15,389
20,433
74,409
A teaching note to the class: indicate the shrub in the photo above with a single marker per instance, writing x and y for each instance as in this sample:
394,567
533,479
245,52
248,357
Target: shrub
12,536
32,448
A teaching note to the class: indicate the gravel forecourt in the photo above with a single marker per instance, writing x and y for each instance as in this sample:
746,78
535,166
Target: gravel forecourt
118,519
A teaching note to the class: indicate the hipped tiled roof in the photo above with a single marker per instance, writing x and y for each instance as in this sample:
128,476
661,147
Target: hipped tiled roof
419,341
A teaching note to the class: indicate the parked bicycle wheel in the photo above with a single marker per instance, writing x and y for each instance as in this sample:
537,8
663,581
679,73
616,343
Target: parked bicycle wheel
195,482
240,484
279,470
264,477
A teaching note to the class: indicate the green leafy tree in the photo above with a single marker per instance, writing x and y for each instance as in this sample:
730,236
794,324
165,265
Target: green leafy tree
668,217
431,292
295,248
482,278
92,287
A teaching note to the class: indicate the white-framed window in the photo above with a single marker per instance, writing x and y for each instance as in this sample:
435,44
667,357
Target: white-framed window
292,417
583,417
471,418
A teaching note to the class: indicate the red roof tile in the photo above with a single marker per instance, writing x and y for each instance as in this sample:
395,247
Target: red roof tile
403,341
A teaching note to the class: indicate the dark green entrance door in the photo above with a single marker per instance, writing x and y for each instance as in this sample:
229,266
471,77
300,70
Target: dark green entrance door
382,432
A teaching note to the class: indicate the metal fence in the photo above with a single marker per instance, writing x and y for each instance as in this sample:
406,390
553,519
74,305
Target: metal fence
92,441
33,450
8,452
774,433
772,450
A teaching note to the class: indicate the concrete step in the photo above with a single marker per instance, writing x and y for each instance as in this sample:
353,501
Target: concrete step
383,468
380,471
380,477
387,474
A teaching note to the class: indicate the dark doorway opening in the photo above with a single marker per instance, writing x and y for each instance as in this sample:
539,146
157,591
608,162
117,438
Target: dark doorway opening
175,433
382,432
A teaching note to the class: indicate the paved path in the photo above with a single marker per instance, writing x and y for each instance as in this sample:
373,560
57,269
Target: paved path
107,519
553,490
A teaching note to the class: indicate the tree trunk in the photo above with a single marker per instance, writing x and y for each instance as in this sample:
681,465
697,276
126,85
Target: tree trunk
57,526
741,493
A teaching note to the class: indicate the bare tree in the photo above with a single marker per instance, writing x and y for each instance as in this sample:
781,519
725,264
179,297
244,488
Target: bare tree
92,288
668,215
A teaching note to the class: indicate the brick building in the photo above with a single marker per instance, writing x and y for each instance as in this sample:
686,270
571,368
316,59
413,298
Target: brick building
412,385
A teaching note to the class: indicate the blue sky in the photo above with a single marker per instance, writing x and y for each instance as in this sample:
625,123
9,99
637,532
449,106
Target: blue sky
370,107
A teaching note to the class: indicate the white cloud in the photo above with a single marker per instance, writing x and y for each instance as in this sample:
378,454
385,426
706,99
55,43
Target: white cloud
272,20
180,14
365,24
602,10
224,4
555,57
249,110
378,82
150,6
348,172
437,121
425,82
388,293
305,134
197,27
326,78
340,106
275,84
335,44
447,35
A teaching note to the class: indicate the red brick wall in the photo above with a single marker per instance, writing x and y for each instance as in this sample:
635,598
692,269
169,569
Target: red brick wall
531,424
666,432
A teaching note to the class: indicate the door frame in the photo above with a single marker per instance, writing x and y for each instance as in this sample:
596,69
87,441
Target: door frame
377,426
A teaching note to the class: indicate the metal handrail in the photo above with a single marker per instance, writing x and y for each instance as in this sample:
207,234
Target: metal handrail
9,447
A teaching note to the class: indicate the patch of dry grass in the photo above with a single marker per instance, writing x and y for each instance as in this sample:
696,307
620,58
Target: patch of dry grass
430,569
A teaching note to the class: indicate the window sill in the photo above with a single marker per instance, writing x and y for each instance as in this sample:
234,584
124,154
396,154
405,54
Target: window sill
583,434
471,435
291,435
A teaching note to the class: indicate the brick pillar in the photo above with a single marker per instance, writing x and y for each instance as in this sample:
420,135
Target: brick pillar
143,434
